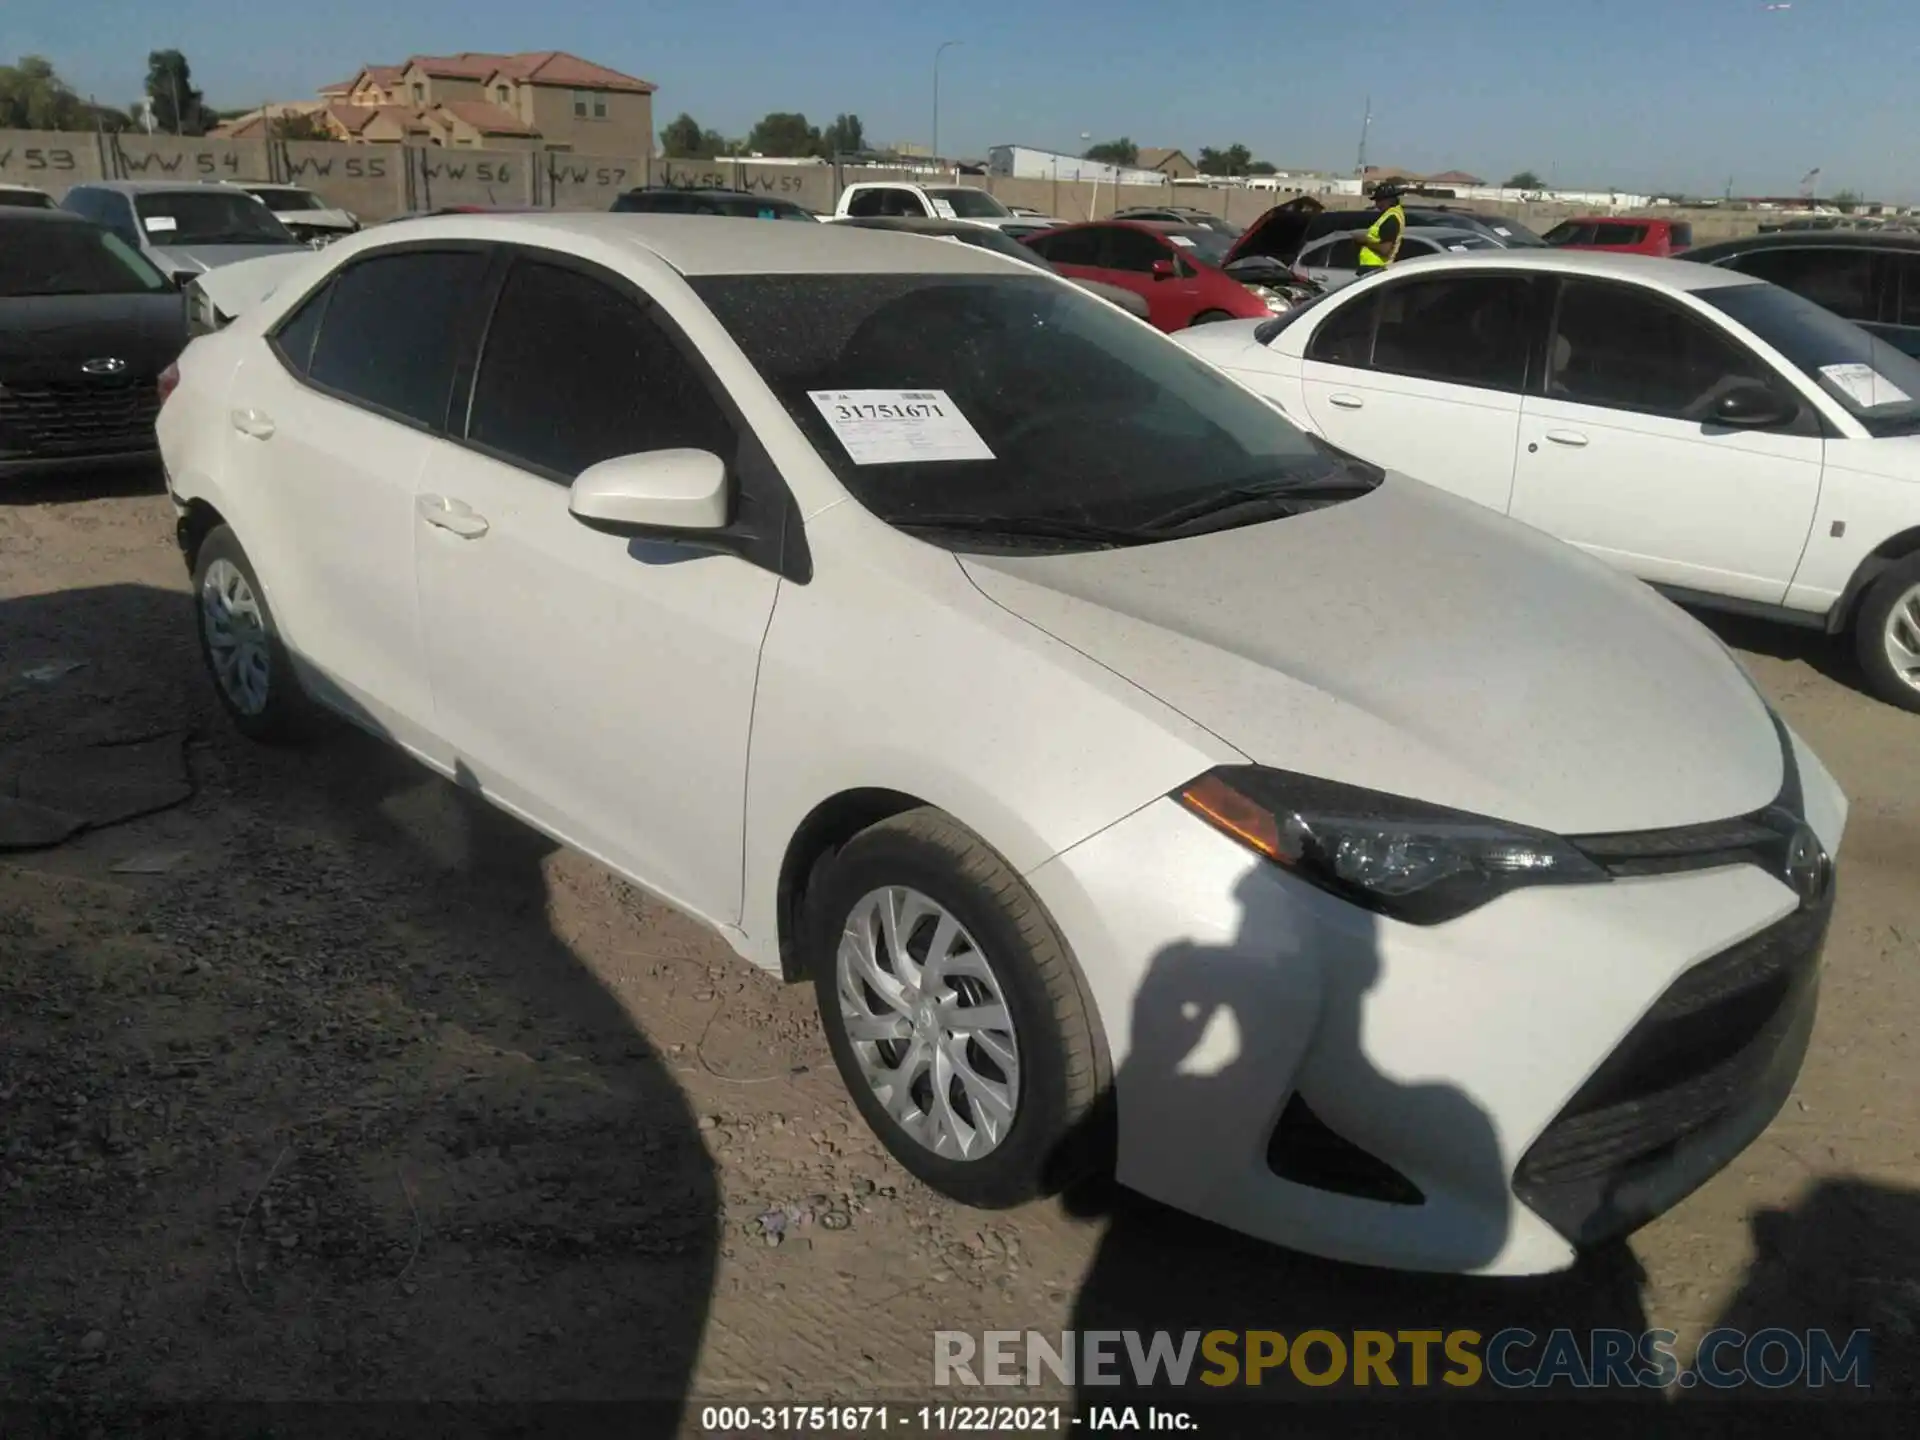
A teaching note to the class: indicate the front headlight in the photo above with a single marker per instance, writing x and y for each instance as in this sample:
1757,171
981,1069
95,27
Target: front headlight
1405,859
1271,298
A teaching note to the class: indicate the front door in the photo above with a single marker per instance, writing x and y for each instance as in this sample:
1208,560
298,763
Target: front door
1423,375
1617,456
600,686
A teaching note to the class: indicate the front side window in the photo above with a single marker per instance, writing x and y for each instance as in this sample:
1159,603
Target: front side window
392,329
1083,419
1613,233
1461,329
885,200
1342,254
1068,247
1840,280
1626,348
1876,383
1570,232
1134,251
71,258
208,217
575,372
1345,336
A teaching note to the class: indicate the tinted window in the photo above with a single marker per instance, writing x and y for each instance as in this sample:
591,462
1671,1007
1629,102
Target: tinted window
68,257
1338,255
1465,330
1346,336
1415,245
1085,417
393,327
575,372
208,217
1132,250
1907,308
1069,247
1877,384
1618,234
295,336
1841,280
1569,232
886,201
1629,349
1681,235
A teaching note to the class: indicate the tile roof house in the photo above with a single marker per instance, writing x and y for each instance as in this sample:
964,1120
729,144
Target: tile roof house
1169,162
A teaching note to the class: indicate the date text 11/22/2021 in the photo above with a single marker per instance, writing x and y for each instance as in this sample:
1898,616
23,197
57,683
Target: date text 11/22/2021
718,1420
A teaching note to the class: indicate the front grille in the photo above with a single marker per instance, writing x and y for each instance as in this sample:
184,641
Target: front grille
1713,1041
1757,839
98,417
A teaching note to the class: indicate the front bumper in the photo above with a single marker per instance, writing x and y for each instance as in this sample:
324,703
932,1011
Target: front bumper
1484,1096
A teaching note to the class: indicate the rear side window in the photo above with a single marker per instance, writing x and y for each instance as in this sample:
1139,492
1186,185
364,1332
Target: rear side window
393,329
1840,280
1615,233
295,336
1681,235
886,201
575,372
1462,330
1570,232
1625,348
1346,336
1069,247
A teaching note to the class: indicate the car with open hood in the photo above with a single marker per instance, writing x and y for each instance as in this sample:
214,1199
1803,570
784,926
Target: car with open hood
184,228
307,216
1269,248
1139,782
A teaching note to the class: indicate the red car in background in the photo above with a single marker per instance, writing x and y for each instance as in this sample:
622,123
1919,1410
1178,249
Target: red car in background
1174,268
1628,236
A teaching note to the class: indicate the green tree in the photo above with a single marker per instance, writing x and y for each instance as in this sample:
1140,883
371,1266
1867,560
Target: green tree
1263,167
1525,180
845,136
1846,201
33,97
301,127
1114,152
681,138
785,134
178,108
1234,160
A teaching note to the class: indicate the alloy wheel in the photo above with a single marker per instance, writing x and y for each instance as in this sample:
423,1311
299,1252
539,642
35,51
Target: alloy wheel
1901,636
928,1023
236,632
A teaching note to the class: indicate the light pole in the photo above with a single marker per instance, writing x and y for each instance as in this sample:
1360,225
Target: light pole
944,46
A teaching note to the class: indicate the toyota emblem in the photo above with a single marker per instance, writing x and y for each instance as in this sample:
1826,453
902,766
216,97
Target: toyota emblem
106,365
1808,868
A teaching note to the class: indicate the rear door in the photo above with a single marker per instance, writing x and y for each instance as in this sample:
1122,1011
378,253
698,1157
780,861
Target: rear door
1424,375
331,421
1616,458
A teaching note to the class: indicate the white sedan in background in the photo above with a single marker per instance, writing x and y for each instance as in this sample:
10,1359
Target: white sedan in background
1138,781
1719,437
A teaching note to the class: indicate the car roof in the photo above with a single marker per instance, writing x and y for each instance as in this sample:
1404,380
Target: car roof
1811,240
713,244
33,215
148,187
9,185
1675,274
644,190
1618,220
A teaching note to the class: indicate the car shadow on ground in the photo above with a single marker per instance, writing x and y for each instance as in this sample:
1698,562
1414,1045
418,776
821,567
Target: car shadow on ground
328,1110
1830,655
101,482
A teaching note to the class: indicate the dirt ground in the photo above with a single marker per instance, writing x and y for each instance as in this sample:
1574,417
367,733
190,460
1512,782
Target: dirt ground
328,1082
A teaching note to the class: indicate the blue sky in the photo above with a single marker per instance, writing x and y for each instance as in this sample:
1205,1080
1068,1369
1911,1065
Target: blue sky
1632,93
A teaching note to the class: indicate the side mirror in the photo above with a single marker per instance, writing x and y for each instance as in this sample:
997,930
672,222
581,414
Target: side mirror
1164,270
1750,405
661,493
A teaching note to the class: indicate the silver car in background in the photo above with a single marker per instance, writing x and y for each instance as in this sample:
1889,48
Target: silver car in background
184,228
1334,260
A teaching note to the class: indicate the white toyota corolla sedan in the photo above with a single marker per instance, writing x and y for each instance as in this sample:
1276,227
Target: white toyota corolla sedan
1137,780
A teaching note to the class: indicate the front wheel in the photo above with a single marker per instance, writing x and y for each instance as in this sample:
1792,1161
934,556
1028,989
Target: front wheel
245,658
1887,634
955,1015
1211,317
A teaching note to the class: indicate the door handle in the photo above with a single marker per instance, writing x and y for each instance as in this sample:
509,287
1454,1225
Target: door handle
256,423
1567,437
455,516
1346,402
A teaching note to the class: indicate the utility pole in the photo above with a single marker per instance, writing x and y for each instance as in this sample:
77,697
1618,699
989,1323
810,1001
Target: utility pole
173,76
1360,166
938,52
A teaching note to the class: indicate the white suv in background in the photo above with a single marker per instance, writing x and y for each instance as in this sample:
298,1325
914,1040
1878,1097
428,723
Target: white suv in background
1735,445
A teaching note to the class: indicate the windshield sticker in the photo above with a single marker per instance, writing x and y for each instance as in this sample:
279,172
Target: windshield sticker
1501,230
899,427
1185,242
1458,249
942,208
1865,386
160,224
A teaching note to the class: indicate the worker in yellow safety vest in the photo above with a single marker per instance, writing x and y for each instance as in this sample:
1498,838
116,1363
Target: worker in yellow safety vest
1380,241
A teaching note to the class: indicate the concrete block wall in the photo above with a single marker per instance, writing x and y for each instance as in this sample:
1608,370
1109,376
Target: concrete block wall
377,182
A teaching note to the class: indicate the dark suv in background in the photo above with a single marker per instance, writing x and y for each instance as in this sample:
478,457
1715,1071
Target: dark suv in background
1871,278
711,202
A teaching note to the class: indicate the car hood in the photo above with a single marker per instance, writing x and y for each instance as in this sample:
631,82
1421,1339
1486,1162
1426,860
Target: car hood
198,258
316,219
237,288
1415,643
1278,233
48,338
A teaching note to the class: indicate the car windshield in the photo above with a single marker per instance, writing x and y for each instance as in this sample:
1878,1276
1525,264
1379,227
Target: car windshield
1510,233
208,217
25,199
71,259
282,201
1209,246
1064,422
1878,385
970,204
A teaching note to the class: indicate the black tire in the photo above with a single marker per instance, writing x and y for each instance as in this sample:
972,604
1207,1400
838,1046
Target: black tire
1209,317
1059,1132
288,715
1892,586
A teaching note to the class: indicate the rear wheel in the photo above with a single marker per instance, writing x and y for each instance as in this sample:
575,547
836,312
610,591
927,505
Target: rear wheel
248,664
1887,634
954,1013
1211,317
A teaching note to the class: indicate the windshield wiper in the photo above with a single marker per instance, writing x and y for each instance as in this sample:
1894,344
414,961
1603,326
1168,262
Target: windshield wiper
1035,526
1287,496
